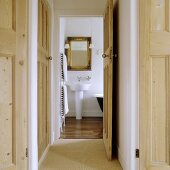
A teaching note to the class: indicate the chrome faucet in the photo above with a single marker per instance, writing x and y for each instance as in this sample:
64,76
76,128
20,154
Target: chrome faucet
88,78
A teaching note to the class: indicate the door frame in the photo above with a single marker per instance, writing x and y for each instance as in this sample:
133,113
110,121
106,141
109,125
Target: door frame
55,130
32,85
134,117
129,60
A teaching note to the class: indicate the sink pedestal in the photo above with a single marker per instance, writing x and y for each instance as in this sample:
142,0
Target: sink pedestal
79,89
79,104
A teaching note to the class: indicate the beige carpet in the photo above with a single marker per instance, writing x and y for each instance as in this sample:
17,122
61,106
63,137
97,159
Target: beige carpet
78,154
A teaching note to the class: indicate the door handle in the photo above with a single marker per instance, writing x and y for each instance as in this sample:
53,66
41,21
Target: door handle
104,55
50,58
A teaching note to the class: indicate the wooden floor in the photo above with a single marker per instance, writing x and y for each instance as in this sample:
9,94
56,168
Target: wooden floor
87,128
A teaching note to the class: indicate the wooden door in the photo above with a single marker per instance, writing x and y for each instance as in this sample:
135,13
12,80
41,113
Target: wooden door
13,84
43,77
108,78
154,84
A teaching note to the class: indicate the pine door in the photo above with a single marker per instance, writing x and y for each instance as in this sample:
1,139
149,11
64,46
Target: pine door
43,76
154,84
13,84
108,78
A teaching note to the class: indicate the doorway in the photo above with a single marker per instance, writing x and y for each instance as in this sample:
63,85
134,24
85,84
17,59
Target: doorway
83,117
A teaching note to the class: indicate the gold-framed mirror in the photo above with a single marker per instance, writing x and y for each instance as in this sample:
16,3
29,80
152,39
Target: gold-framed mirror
78,53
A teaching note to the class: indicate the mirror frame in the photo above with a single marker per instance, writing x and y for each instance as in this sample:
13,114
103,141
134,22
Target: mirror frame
68,54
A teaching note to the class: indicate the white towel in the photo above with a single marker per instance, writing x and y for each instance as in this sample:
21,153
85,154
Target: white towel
65,67
66,110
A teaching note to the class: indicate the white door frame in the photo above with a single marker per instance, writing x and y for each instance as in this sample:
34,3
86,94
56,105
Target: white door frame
134,117
32,85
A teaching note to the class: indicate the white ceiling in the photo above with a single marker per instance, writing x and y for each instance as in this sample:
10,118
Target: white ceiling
80,4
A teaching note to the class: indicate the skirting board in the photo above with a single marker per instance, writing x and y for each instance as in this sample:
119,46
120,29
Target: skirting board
43,156
86,114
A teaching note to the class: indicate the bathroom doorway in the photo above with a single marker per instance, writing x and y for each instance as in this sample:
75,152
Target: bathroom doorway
81,94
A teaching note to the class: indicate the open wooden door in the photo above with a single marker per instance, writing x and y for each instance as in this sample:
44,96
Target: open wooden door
13,84
108,78
154,84
43,76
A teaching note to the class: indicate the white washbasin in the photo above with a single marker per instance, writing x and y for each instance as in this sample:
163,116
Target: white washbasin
79,86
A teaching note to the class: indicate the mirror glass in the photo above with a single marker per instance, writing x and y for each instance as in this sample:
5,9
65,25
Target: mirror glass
79,53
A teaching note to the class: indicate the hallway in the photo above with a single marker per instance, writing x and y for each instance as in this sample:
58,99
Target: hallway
79,154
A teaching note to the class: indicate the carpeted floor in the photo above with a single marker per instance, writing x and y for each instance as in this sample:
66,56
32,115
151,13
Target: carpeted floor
78,154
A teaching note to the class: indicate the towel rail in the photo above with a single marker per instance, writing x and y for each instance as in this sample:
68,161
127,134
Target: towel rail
62,94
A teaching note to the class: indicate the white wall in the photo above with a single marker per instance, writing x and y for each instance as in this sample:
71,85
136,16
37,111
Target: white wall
62,34
128,83
87,27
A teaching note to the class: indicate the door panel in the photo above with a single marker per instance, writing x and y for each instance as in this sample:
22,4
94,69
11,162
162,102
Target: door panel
108,78
154,84
13,84
43,80
8,12
159,105
105,118
6,121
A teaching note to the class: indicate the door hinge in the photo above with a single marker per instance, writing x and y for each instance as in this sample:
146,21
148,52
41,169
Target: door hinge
137,153
26,153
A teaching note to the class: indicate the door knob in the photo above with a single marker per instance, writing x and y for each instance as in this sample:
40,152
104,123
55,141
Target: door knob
104,56
50,58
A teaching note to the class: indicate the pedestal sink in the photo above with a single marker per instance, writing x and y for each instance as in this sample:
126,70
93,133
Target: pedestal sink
79,89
